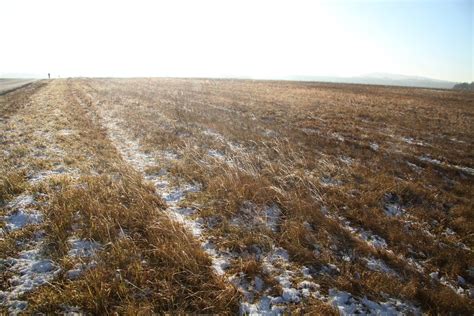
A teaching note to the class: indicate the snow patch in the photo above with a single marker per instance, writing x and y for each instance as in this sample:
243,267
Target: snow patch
412,141
216,154
370,238
219,262
21,213
310,131
20,218
393,210
350,305
378,265
270,133
437,162
276,264
374,146
414,167
329,181
45,174
346,160
30,270
23,200
338,137
82,248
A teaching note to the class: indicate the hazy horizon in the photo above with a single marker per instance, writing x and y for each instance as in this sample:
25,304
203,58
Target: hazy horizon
291,77
432,39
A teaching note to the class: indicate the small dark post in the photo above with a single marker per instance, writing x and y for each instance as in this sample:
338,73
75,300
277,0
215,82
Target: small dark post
49,75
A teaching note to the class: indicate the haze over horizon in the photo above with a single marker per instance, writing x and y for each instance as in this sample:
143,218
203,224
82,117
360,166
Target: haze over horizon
268,39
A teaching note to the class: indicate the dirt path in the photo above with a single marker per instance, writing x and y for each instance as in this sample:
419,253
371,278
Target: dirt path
9,85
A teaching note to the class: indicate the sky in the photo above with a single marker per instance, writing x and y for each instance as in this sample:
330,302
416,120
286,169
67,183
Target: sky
260,39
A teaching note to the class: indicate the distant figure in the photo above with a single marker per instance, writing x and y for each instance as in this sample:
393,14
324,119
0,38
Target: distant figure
49,75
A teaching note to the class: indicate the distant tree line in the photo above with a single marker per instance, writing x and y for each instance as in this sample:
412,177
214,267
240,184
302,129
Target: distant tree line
464,86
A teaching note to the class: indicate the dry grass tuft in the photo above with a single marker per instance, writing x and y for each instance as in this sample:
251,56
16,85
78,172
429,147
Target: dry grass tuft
12,183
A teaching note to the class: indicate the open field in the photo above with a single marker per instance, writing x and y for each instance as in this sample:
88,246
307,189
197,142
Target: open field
228,196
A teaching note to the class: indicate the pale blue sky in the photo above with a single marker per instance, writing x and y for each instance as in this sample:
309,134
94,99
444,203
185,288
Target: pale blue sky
430,38
238,38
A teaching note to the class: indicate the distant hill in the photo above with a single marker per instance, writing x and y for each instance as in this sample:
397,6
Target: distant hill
464,86
384,79
373,78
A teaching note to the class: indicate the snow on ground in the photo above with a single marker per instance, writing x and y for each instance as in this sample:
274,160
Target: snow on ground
346,160
256,297
275,262
414,167
310,131
21,201
437,162
82,247
379,243
412,141
393,210
220,260
459,286
337,136
378,265
20,218
29,269
329,181
349,305
83,251
374,146
258,301
259,298
173,195
392,205
43,175
216,154
370,238
20,213
218,137
270,133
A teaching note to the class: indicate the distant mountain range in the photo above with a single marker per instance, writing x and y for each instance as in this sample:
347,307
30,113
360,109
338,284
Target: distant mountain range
383,79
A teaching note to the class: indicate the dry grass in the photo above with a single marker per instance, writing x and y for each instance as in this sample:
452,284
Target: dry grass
283,143
147,263
12,183
318,152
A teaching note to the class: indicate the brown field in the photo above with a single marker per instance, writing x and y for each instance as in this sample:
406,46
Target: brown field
228,196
